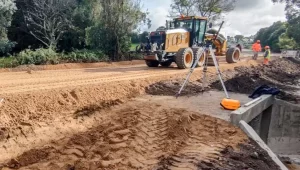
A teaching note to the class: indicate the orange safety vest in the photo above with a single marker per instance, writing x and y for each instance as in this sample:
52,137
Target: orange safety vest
256,47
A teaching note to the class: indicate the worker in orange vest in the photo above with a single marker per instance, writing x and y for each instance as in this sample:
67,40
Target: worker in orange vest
256,47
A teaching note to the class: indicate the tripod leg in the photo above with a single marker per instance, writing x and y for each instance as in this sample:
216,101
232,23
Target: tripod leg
218,70
204,73
190,73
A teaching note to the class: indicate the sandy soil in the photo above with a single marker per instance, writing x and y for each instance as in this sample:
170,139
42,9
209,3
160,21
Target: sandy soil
42,95
61,118
71,66
148,137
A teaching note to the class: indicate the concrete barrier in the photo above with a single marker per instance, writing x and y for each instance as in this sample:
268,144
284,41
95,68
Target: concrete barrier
276,123
257,114
284,133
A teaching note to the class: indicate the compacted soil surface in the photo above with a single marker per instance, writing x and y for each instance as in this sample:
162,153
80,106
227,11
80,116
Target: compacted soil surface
148,137
87,118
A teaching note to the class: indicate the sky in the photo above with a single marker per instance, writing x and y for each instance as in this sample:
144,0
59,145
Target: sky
246,19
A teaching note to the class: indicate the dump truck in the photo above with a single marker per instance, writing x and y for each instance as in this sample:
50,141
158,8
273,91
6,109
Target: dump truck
182,42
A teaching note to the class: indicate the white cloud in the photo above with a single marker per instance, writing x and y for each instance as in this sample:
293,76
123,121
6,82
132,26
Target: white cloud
158,16
247,18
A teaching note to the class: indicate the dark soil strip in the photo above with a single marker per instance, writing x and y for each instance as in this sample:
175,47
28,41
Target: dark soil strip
282,74
249,156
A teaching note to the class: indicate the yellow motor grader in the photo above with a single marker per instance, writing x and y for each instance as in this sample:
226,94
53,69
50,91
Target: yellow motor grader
181,42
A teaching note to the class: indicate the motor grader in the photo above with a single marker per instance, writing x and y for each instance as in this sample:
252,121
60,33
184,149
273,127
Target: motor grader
181,42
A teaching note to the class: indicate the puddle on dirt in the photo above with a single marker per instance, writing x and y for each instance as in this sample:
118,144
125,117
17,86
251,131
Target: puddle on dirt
204,103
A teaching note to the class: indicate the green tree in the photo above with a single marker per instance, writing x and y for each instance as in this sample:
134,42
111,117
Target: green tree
83,16
7,9
47,20
206,8
270,35
18,32
238,38
285,42
135,37
293,18
293,29
143,37
112,32
182,7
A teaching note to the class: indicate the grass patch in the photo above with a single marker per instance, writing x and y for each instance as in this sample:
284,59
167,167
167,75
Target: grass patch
8,62
133,46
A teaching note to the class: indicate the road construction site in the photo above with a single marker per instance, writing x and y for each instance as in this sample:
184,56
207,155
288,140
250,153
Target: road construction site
125,116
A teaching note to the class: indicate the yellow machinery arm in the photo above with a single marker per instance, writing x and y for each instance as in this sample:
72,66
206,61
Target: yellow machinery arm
219,43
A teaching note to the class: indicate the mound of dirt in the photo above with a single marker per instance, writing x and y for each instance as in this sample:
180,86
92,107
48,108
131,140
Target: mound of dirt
171,88
149,137
282,73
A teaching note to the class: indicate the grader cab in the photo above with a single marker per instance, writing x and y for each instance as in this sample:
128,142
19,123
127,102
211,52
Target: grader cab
181,42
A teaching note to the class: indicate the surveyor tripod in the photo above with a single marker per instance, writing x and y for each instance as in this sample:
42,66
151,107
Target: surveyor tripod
205,49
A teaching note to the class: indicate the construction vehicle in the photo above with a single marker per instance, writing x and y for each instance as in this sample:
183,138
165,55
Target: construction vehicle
180,42
227,103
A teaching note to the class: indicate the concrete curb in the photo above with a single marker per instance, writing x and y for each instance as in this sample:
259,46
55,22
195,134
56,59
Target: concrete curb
250,111
252,134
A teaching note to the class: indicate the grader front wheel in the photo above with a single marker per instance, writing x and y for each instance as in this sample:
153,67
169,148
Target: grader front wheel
197,52
184,58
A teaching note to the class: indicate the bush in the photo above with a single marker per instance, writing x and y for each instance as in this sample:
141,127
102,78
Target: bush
6,47
8,62
38,57
84,56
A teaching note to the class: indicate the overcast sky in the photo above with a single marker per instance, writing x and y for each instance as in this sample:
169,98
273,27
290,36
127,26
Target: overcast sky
247,18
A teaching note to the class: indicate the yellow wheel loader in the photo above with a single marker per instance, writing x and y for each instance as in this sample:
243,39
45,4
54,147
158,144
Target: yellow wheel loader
181,43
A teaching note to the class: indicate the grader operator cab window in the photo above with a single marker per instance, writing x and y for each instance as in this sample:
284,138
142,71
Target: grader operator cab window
188,24
197,27
200,27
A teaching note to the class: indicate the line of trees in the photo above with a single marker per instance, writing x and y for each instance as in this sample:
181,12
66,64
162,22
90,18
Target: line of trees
212,9
70,25
283,35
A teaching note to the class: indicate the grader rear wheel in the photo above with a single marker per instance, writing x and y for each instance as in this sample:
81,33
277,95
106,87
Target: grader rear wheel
197,52
184,58
233,55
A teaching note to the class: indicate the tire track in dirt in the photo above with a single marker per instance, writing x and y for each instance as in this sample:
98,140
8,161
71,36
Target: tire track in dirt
135,137
43,80
73,83
64,75
149,138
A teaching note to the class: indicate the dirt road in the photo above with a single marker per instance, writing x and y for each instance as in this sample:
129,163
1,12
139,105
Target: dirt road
25,81
86,118
40,97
